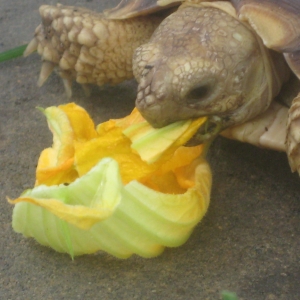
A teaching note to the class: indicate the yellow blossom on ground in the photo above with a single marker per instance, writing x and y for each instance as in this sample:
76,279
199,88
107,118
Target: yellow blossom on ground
122,187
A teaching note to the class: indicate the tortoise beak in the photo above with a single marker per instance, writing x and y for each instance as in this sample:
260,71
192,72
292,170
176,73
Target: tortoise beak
154,112
154,98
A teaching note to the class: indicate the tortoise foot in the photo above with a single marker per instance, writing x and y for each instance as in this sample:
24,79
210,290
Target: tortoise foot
86,46
267,130
293,135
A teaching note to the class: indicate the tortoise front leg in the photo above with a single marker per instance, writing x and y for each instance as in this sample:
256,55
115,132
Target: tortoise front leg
267,130
278,129
293,135
87,47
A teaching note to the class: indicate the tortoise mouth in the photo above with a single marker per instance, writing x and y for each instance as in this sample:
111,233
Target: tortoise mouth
208,131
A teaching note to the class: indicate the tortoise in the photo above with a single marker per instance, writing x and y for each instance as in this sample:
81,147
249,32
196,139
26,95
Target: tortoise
224,59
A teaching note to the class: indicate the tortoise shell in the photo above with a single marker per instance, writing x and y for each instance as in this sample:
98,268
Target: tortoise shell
277,22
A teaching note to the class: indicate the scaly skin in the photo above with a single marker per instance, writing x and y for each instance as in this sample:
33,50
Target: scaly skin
86,46
293,135
267,130
276,129
203,61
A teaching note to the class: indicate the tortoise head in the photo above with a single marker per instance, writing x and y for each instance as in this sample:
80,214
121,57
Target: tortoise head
202,61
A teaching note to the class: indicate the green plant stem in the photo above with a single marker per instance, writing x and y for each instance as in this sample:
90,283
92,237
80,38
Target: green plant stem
229,296
12,53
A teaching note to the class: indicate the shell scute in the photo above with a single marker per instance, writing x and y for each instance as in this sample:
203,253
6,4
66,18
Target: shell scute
133,8
277,22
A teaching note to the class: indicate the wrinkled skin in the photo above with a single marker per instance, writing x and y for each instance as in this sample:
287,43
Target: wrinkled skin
202,61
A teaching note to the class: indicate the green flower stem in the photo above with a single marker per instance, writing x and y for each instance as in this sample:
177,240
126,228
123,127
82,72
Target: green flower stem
12,53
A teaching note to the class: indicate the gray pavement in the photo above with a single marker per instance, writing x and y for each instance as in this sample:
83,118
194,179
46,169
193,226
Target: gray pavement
247,243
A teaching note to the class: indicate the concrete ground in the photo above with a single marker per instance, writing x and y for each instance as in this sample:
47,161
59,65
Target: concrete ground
247,243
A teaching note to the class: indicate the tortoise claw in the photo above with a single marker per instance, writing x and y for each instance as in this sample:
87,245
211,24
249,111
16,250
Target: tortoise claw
31,47
68,86
67,79
46,70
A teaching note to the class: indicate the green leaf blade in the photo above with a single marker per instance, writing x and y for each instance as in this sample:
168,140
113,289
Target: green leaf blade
12,53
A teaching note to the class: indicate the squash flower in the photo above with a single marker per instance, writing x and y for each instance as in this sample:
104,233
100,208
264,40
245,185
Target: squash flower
122,187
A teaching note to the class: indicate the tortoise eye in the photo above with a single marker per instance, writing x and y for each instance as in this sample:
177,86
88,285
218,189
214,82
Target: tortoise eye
148,67
198,93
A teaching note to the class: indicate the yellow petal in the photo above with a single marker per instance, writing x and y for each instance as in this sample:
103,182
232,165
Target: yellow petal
82,125
142,221
52,175
126,204
182,156
112,143
116,146
184,138
69,123
55,164
63,135
134,118
172,176
78,215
